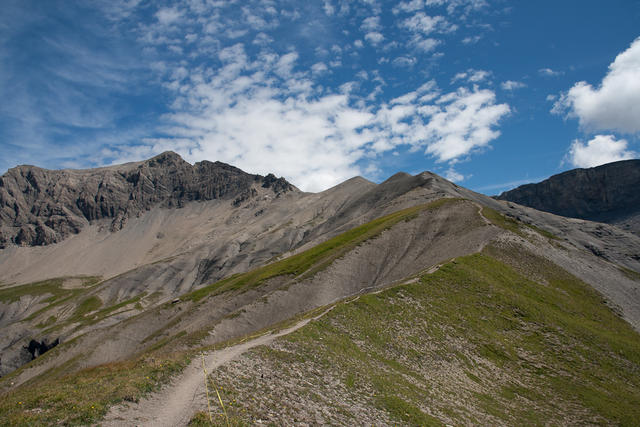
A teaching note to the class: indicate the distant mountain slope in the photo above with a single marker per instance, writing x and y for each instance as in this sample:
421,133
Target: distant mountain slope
609,193
207,247
447,313
40,206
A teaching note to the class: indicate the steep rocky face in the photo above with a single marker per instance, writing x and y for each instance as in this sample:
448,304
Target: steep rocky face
608,193
40,207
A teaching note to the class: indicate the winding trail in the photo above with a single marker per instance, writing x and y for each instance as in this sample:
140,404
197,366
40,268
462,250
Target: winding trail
175,404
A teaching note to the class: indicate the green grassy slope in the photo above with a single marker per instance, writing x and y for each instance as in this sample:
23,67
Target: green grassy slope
82,398
474,343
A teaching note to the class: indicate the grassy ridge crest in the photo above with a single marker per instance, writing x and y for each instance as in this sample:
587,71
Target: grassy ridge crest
311,261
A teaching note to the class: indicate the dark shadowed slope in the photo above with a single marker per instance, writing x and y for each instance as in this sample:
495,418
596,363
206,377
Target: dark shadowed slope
609,193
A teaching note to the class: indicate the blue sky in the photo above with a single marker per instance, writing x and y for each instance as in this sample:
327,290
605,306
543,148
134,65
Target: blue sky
490,94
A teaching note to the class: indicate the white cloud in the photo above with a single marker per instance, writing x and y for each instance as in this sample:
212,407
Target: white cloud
461,122
262,39
168,15
615,104
247,115
478,75
285,64
472,76
512,85
404,61
600,150
371,23
328,8
452,175
319,68
467,6
471,39
374,38
549,72
408,6
258,104
424,44
425,24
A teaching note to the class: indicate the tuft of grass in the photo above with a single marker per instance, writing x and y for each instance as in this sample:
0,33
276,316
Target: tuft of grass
201,419
542,232
502,221
317,258
86,306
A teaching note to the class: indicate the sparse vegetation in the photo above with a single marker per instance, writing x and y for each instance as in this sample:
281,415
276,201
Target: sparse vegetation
83,398
633,275
317,258
86,306
53,287
476,342
513,224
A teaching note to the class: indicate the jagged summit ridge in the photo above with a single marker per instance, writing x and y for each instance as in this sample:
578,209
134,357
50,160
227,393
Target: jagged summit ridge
40,206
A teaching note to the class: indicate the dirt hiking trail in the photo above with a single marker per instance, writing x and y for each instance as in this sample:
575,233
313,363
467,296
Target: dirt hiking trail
176,403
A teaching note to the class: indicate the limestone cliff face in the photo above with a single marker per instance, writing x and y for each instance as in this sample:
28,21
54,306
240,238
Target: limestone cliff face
40,206
608,193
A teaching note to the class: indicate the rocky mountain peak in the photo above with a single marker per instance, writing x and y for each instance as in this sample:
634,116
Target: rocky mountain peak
607,193
40,206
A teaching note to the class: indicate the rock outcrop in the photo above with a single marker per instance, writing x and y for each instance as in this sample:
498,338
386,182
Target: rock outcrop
40,206
607,193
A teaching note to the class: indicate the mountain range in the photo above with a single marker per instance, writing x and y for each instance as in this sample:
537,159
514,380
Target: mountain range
133,270
607,193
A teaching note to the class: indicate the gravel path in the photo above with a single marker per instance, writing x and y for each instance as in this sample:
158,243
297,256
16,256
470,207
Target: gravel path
176,403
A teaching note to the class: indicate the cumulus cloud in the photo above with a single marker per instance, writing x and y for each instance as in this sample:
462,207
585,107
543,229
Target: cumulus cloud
425,24
247,114
548,72
319,68
408,6
452,175
471,39
404,61
452,6
472,76
600,150
512,85
424,44
615,103
168,15
462,122
374,37
371,23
